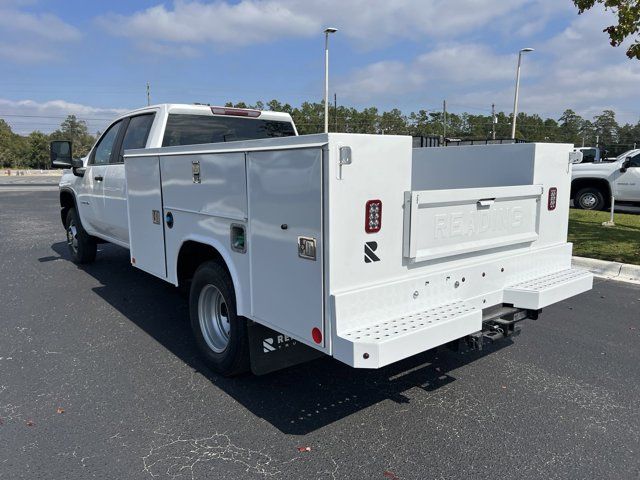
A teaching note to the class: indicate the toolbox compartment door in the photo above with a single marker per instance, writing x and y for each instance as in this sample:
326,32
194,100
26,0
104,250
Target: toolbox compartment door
445,223
285,208
146,222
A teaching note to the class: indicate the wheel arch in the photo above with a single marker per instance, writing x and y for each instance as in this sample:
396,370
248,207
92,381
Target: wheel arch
196,250
67,201
599,183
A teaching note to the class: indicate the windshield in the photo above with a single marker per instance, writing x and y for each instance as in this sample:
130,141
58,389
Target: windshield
196,129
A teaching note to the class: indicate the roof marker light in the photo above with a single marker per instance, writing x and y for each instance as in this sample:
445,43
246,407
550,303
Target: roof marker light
237,112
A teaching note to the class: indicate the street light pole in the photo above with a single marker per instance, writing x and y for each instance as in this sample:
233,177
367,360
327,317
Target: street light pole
327,31
515,99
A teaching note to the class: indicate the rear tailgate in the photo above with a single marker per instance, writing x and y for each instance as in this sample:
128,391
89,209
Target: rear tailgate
445,223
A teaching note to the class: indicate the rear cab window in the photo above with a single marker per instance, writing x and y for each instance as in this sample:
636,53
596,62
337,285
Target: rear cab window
185,129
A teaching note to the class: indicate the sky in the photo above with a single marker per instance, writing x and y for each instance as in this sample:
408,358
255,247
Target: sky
94,58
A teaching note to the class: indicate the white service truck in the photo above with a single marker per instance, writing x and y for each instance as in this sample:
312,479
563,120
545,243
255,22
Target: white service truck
593,184
355,246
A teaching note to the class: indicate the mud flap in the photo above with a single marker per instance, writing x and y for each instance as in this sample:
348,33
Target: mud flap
270,351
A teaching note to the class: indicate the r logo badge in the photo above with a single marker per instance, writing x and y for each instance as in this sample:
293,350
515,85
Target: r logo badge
267,345
369,256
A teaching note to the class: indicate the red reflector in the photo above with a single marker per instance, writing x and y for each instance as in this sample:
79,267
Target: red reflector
316,334
238,112
373,216
553,197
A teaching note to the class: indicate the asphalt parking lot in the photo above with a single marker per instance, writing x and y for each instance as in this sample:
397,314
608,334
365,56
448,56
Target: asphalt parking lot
99,379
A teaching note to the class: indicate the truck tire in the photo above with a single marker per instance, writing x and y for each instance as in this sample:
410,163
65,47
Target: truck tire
82,246
221,335
590,198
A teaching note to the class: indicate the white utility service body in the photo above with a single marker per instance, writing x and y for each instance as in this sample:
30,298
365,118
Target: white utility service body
462,229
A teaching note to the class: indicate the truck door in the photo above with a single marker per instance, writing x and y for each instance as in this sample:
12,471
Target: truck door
627,184
91,193
285,240
146,222
136,132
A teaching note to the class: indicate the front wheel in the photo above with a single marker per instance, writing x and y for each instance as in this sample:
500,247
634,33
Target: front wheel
82,246
589,198
221,335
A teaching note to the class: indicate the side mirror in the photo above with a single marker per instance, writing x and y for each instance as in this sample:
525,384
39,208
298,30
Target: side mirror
624,166
61,154
575,157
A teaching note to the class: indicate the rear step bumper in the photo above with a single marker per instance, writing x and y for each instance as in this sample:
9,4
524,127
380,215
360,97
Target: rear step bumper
543,291
397,338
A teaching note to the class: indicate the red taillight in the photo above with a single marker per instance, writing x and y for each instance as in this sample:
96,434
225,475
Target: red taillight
553,198
316,334
238,112
373,216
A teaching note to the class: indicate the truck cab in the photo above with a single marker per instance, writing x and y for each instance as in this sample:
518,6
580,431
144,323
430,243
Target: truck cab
593,184
96,189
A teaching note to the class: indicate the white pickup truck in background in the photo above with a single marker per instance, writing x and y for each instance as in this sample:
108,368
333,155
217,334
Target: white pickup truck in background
355,246
593,184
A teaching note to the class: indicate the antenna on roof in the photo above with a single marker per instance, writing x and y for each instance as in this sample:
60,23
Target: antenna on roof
148,94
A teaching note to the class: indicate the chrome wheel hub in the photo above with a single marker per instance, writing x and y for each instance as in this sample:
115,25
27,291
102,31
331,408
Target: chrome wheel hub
588,201
213,316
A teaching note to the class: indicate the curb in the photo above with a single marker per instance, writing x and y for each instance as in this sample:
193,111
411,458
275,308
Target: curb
623,272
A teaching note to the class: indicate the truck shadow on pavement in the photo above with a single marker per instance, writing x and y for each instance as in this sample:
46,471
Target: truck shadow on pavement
297,400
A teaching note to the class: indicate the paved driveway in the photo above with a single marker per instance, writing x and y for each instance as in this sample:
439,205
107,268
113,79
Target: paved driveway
109,348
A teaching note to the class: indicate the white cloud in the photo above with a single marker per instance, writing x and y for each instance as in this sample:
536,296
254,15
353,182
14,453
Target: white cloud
32,37
43,25
575,68
460,65
219,23
27,115
368,22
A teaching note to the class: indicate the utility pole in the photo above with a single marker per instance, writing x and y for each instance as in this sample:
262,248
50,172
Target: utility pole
148,94
335,109
444,120
493,121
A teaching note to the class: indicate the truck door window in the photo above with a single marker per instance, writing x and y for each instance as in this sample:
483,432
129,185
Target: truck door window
634,161
136,134
102,153
197,129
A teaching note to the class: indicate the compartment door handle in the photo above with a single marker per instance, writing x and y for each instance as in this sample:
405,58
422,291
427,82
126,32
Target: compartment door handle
485,202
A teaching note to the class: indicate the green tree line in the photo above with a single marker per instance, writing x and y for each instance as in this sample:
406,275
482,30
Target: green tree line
32,151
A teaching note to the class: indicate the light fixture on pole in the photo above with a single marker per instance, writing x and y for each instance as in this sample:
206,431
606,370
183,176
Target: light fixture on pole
515,99
327,31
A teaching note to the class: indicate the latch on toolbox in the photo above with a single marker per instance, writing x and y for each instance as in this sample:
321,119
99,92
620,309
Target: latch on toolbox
307,248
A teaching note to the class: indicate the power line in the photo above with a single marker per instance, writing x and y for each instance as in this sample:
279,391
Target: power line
55,116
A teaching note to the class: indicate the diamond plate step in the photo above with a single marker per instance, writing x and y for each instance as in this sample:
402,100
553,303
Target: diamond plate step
394,339
547,289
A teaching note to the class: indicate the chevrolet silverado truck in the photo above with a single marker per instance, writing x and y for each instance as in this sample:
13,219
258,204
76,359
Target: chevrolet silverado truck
354,246
593,184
